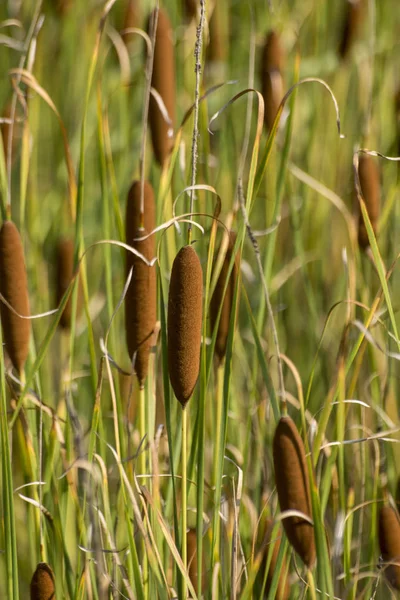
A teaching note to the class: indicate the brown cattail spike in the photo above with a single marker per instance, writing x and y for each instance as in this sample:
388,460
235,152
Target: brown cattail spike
65,273
42,583
389,543
370,186
227,300
184,323
131,19
351,25
293,488
163,80
14,288
283,590
140,299
192,560
271,77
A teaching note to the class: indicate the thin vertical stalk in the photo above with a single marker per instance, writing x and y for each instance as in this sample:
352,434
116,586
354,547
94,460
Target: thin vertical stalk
184,499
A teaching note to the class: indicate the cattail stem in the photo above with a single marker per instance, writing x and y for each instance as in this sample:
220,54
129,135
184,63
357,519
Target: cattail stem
197,68
311,584
184,500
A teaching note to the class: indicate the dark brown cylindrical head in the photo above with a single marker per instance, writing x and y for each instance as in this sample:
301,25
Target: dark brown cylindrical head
272,60
190,8
389,543
14,288
140,299
42,583
65,272
293,488
163,80
185,304
351,25
131,18
370,186
217,47
218,298
272,55
283,589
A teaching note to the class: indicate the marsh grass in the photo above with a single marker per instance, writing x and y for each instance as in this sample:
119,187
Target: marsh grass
91,474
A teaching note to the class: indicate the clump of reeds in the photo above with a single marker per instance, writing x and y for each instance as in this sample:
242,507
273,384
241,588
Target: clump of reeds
389,543
14,288
218,298
42,583
140,299
65,273
351,24
272,60
293,488
368,173
163,80
283,590
184,323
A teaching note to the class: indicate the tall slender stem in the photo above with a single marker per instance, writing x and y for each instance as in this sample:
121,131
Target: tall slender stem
184,498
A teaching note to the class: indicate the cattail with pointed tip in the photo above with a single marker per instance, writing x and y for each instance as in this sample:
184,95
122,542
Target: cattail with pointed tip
283,590
65,273
370,186
271,77
217,47
293,488
184,323
140,299
14,288
42,583
163,80
351,25
389,543
227,300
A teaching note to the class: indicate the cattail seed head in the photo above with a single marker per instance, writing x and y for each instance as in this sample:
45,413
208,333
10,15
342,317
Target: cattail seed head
42,583
192,559
271,77
293,487
351,25
184,323
14,288
65,273
218,298
283,590
370,186
163,80
389,543
131,18
140,299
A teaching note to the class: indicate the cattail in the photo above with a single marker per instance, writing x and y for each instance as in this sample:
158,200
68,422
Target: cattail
389,543
370,186
190,8
293,487
163,80
140,299
217,47
192,559
352,20
42,583
283,590
5,130
271,77
14,288
131,18
65,273
184,323
227,300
